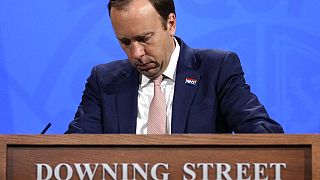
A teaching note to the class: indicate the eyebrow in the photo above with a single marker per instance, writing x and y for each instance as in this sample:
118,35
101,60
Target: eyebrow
136,37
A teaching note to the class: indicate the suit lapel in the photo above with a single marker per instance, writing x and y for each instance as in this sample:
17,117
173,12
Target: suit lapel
183,95
184,90
126,102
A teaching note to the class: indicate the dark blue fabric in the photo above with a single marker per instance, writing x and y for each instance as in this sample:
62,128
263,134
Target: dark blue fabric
220,101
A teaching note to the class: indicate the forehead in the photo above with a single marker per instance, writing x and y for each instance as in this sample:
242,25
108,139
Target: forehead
137,17
131,5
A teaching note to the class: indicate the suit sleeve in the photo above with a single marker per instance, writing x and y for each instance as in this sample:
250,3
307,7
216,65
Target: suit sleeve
88,118
240,108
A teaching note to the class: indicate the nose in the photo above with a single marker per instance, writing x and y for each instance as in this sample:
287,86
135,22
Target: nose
137,50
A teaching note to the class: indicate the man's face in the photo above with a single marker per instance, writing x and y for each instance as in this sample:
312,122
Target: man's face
142,36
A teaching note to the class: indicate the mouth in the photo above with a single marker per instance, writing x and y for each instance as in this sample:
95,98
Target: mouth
146,66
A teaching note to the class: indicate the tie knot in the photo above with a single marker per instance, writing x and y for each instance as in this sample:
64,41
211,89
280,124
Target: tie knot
157,81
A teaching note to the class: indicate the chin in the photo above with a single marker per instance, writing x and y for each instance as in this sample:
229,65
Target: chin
150,75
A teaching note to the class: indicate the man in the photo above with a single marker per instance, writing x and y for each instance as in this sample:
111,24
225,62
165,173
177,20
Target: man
165,86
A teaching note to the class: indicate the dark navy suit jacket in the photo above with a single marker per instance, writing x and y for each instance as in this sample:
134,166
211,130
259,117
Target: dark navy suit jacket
219,102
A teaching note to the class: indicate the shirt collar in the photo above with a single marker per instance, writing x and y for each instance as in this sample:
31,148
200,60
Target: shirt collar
170,72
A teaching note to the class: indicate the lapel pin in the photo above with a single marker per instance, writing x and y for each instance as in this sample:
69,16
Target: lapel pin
190,81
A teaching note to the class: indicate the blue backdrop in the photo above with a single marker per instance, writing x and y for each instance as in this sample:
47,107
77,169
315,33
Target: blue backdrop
47,49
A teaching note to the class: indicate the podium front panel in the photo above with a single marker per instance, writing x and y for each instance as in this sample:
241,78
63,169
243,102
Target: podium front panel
160,157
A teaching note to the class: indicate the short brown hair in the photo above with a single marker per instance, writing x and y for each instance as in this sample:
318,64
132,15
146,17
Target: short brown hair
163,7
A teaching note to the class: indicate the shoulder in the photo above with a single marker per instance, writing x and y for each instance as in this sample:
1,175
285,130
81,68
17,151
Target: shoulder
110,73
215,58
204,59
112,68
214,55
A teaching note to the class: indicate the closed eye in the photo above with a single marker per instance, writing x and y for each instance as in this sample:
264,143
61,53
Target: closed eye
143,39
125,41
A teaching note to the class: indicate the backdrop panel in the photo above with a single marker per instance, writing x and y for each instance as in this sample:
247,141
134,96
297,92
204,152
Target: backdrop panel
47,49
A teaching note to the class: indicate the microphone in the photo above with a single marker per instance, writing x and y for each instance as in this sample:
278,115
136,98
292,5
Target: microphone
46,128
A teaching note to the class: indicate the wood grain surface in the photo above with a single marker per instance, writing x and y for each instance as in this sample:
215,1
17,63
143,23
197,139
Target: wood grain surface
300,152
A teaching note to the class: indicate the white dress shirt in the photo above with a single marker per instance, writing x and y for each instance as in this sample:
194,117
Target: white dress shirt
145,93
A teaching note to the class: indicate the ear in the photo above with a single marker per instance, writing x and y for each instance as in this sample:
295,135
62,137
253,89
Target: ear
171,24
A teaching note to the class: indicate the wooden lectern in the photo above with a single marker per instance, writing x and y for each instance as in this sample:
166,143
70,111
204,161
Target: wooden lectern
242,156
